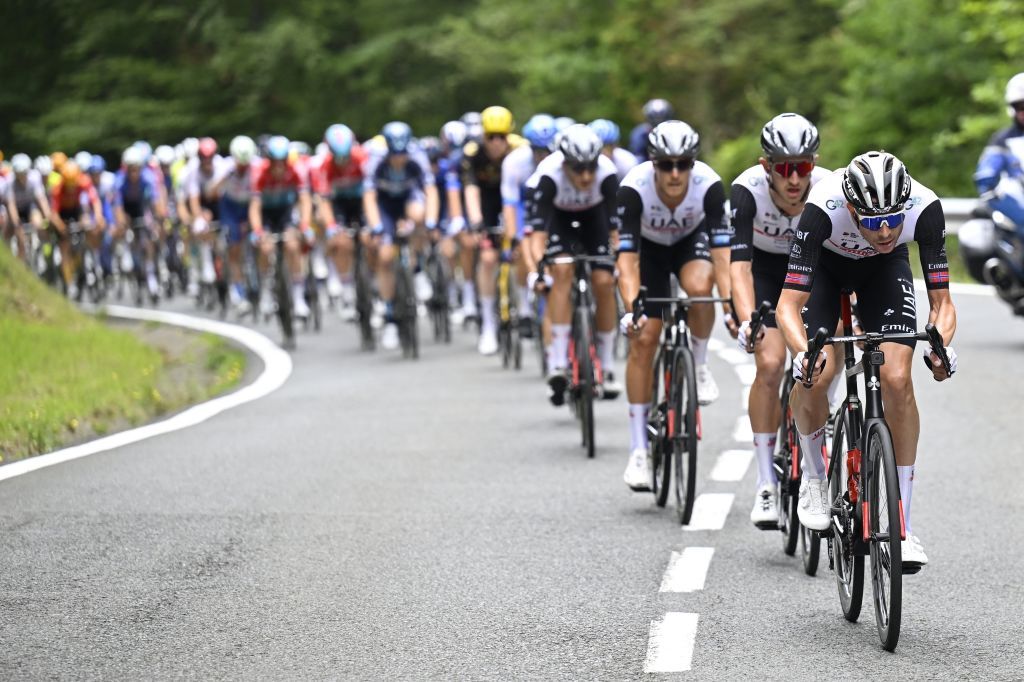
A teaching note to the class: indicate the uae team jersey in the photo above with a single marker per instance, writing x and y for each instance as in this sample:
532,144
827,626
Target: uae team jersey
826,222
643,213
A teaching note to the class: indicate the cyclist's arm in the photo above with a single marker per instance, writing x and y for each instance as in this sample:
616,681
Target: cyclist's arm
930,236
256,213
629,211
741,276
58,222
993,163
305,208
12,207
470,190
325,210
97,208
433,204
609,191
39,195
543,203
370,208
718,233
805,251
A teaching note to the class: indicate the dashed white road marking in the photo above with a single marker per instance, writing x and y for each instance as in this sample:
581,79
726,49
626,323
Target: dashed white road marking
709,511
687,571
715,345
732,465
670,644
734,356
277,366
743,433
746,373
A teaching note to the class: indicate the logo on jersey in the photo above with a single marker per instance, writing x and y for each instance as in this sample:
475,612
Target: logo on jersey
796,279
833,204
888,312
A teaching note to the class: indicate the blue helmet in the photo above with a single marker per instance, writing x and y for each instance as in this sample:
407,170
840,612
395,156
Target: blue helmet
398,135
540,131
98,165
277,148
606,130
339,138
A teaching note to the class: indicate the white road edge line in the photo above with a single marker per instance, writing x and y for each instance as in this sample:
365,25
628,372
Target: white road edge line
277,366
732,465
670,645
961,288
687,572
710,511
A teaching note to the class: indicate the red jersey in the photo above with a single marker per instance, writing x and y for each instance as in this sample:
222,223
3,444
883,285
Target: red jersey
64,198
344,181
278,191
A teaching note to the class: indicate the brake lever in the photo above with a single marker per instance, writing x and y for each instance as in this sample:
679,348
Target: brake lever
935,340
813,349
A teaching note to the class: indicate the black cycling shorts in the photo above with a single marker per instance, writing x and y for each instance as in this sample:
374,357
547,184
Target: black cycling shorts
769,271
884,285
348,211
659,262
590,236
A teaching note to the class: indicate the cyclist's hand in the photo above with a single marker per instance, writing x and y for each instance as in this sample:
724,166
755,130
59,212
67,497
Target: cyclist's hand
404,228
800,372
631,327
309,235
377,230
541,286
254,238
506,255
332,230
935,363
742,333
730,324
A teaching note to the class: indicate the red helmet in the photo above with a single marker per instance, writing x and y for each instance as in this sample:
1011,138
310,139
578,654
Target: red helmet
207,147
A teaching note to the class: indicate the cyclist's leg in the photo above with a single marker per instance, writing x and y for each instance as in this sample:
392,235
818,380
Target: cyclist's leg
595,238
233,216
560,241
467,258
487,286
696,275
390,213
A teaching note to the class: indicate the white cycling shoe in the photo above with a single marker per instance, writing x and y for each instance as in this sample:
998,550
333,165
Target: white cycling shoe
707,389
765,514
638,472
812,508
389,336
913,554
488,344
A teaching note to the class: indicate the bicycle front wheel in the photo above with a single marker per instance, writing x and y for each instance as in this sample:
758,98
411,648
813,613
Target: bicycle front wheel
886,534
789,475
847,562
585,378
682,419
657,432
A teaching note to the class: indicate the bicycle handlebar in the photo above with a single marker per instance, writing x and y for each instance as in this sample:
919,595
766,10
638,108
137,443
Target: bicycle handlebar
756,322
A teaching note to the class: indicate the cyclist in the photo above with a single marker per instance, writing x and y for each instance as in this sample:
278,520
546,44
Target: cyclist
399,194
235,190
767,201
667,207
73,198
516,170
655,111
201,188
137,198
481,181
623,159
453,137
999,176
574,205
338,184
26,200
104,181
853,235
474,125
277,187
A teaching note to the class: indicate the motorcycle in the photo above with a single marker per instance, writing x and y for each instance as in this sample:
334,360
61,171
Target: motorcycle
994,254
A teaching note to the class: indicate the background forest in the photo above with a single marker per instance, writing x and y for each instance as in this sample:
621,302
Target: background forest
921,78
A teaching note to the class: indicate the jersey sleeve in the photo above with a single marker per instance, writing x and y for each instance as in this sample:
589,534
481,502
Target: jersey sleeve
370,172
467,171
511,188
543,203
609,188
744,208
629,210
930,234
805,250
717,226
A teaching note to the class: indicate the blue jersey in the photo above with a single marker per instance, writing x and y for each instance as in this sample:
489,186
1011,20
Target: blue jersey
398,183
135,197
999,174
638,141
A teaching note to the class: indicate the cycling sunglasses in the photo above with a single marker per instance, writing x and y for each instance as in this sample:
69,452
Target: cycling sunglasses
1018,106
496,136
590,167
666,165
875,223
786,168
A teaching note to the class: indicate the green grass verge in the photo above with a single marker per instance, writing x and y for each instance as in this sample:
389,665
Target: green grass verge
65,376
957,268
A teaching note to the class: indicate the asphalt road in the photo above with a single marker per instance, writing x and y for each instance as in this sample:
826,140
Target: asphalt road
383,519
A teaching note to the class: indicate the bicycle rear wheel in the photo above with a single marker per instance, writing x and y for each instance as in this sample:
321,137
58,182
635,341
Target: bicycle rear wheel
682,420
788,463
661,444
284,301
585,378
364,302
847,563
886,534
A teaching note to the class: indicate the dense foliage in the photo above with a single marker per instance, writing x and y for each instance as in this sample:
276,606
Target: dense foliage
922,78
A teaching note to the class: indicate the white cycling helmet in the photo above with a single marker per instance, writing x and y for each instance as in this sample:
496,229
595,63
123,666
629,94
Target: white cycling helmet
44,165
21,163
454,134
672,139
132,156
876,183
191,145
579,144
84,160
1014,92
789,135
164,155
243,149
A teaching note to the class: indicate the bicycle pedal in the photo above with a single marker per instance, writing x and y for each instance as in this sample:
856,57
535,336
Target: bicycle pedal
912,569
767,525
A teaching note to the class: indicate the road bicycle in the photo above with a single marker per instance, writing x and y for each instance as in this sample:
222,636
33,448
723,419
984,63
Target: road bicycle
864,496
405,306
509,340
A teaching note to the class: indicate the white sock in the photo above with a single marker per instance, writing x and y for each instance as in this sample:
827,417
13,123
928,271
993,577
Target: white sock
906,475
488,315
638,413
559,346
605,350
764,453
453,293
525,309
700,350
299,291
468,295
814,464
835,391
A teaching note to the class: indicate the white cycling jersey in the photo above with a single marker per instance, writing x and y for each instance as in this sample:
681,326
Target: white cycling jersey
200,184
624,161
773,230
25,194
659,223
567,197
235,186
516,169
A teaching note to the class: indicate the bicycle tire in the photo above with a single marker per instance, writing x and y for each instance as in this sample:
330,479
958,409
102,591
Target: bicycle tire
660,444
283,300
810,550
885,525
683,420
789,477
585,375
517,351
847,563
364,303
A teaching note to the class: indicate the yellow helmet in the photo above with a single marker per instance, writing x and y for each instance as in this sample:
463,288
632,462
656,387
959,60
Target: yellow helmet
497,121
